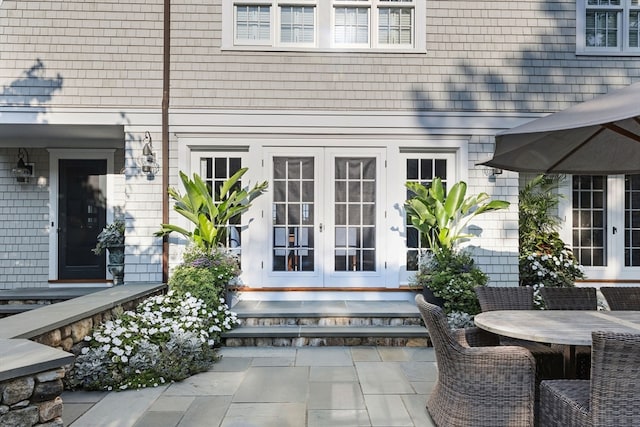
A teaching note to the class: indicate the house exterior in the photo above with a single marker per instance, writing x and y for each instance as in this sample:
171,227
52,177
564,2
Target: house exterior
335,103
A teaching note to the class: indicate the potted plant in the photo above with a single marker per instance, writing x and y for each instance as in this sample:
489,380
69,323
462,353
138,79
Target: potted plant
209,269
441,220
111,238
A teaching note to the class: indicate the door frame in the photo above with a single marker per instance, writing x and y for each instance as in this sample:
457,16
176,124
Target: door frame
324,275
55,155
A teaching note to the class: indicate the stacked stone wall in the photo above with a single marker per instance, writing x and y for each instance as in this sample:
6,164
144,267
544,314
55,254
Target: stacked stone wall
32,400
70,337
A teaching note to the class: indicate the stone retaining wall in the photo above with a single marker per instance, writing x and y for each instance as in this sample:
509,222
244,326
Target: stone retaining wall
37,347
32,400
71,337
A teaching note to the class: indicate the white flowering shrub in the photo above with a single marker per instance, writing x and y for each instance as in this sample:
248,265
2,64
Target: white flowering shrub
559,269
460,320
167,338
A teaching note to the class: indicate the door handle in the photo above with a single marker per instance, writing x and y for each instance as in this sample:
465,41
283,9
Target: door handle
321,227
615,230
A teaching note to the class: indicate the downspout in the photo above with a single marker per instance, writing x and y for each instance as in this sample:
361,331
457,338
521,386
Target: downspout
166,63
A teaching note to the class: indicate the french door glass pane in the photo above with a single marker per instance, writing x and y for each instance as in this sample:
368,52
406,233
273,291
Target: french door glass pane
589,219
421,170
354,214
253,22
632,221
293,214
297,24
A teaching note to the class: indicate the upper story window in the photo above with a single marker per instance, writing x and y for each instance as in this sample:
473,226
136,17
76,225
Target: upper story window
608,27
325,24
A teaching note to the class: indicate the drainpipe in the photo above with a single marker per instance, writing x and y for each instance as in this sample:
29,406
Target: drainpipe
166,63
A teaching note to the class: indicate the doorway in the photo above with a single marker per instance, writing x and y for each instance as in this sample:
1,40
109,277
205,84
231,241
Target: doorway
327,217
81,216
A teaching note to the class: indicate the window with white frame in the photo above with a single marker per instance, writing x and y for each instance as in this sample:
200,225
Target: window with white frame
608,26
332,24
215,169
423,168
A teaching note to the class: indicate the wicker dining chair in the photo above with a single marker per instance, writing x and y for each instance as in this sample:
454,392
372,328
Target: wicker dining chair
610,398
477,386
570,298
549,361
622,298
573,299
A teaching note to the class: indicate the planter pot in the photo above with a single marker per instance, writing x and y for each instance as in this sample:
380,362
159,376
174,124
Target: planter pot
431,298
116,264
116,254
117,271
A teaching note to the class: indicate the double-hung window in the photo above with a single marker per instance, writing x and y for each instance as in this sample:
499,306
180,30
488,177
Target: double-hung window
608,27
325,24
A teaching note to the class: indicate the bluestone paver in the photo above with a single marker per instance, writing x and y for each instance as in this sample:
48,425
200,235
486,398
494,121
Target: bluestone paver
382,378
387,411
272,386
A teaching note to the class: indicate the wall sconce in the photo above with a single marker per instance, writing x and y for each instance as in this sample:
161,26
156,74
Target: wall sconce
23,170
147,161
492,172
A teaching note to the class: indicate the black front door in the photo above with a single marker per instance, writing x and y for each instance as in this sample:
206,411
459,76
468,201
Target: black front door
81,217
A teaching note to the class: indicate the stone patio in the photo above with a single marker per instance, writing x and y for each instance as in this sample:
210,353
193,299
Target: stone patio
279,387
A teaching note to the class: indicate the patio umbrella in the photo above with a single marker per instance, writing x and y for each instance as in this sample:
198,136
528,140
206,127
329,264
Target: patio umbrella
596,137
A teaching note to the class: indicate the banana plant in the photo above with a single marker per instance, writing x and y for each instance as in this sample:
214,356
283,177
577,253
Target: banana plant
210,217
441,219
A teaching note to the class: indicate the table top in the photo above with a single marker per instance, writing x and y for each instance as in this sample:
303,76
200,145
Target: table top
569,327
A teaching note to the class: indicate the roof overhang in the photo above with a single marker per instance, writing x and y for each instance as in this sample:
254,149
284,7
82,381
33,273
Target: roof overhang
62,136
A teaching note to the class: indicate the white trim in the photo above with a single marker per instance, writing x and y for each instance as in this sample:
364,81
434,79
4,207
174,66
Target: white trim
54,156
623,49
324,27
346,124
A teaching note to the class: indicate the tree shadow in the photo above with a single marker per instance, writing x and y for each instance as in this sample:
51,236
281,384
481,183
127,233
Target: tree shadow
33,89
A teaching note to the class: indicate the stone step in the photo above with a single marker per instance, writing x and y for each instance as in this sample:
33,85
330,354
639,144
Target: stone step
287,336
301,323
27,295
9,309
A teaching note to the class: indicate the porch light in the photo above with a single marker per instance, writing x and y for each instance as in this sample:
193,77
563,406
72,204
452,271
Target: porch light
147,161
23,171
492,173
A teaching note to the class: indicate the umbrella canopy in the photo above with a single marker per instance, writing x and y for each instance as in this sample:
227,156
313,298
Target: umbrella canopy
596,137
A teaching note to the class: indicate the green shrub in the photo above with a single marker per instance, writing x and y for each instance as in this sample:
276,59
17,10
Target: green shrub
452,276
205,275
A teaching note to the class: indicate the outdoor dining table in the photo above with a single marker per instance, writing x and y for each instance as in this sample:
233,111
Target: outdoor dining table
570,328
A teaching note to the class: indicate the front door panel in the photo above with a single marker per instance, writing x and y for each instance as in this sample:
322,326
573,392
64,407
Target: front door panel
82,215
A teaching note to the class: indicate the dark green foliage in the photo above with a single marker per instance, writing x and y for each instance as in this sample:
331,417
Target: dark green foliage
545,260
452,276
205,275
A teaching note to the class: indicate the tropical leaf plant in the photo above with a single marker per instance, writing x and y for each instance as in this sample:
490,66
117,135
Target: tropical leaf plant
441,218
210,217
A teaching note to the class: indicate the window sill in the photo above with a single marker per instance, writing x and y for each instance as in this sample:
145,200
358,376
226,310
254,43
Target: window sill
263,49
584,52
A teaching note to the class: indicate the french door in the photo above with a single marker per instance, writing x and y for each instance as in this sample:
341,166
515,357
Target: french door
327,217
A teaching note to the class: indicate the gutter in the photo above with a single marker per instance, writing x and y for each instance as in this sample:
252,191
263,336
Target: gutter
166,64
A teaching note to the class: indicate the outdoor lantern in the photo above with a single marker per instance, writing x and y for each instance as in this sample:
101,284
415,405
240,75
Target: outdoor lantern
23,171
147,161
